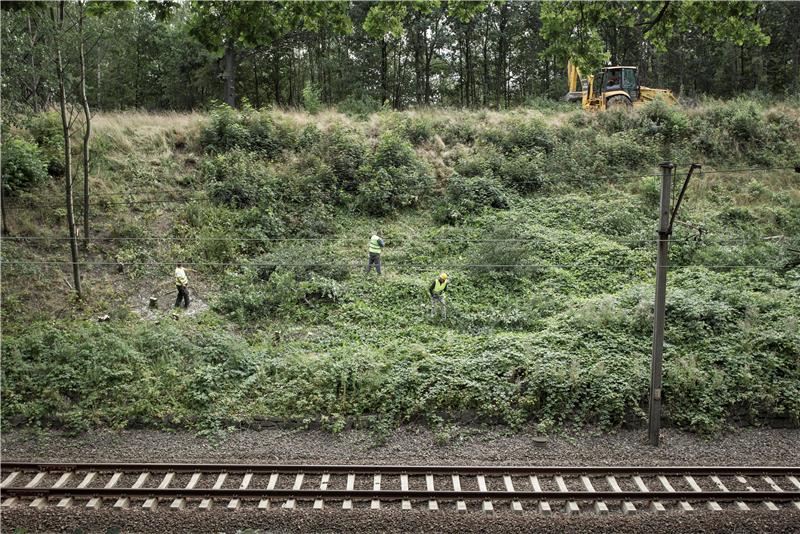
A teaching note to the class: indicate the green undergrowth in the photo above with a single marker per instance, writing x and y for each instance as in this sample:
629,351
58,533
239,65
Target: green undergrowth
544,221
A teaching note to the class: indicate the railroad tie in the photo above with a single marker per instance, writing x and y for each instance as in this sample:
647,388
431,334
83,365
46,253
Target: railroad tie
323,485
544,506
461,506
152,502
96,502
235,503
796,483
599,506
298,483
263,504
768,504
739,504
9,479
41,502
712,505
685,506
347,504
779,489
432,504
205,504
376,486
571,507
180,502
405,504
124,502
11,501
66,502
516,506
488,507
627,507
655,506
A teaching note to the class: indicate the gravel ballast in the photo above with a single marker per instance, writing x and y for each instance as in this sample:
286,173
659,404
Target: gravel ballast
408,445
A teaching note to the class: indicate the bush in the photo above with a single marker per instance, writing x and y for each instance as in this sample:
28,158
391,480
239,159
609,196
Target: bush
311,98
23,166
249,129
467,195
345,152
659,118
531,136
237,180
523,172
48,133
358,107
393,178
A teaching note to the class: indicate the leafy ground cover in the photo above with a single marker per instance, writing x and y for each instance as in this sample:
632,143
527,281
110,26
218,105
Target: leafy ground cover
544,220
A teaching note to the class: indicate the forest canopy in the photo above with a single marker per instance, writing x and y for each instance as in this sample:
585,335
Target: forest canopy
363,55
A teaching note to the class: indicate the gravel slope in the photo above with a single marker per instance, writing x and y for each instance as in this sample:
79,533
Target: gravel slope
413,445
410,445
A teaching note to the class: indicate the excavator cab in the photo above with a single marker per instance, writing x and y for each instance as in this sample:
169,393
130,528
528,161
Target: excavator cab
614,87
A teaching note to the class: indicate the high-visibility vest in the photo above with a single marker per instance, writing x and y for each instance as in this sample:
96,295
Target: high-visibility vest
180,277
438,287
375,245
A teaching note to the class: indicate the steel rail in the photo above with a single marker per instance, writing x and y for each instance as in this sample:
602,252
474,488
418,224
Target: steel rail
392,494
400,469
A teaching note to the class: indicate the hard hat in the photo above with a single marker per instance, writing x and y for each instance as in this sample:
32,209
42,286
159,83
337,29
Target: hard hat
443,276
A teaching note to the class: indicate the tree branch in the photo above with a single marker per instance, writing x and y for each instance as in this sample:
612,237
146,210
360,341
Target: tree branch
652,23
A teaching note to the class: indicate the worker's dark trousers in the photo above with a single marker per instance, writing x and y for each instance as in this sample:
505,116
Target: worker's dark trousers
374,259
183,294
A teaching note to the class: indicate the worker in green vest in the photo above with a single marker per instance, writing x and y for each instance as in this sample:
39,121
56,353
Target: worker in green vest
436,291
375,246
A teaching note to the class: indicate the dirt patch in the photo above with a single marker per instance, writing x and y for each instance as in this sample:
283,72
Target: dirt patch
165,302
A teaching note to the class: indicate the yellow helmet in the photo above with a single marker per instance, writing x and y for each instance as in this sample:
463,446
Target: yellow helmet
443,276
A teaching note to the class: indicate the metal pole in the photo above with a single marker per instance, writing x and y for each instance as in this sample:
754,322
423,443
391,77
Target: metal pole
660,305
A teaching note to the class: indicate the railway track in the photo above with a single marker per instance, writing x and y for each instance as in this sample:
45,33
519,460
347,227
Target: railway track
459,488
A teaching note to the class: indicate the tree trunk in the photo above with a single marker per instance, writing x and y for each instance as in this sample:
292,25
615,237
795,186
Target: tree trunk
485,80
229,74
3,210
257,84
62,93
384,73
502,53
276,75
87,128
34,71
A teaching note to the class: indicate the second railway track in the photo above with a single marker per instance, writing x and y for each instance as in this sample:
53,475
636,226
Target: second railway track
457,488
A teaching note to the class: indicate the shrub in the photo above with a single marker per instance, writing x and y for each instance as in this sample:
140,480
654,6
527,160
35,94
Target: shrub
523,172
393,177
467,195
531,135
23,167
48,134
345,152
358,107
224,131
658,117
237,180
311,98
253,130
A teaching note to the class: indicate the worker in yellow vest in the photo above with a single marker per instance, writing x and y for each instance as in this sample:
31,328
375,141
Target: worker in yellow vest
375,247
182,283
436,291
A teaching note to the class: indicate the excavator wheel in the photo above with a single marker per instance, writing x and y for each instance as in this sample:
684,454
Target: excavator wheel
618,102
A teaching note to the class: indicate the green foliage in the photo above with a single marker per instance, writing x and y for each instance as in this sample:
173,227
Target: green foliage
393,177
249,129
467,195
530,136
312,100
48,134
22,165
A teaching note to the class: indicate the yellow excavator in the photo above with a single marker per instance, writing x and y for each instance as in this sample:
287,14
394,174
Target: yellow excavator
611,88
